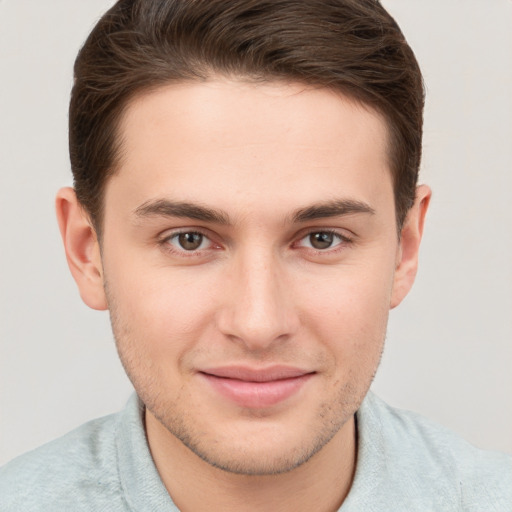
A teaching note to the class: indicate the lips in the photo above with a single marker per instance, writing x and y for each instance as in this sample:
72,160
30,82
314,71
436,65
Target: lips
256,388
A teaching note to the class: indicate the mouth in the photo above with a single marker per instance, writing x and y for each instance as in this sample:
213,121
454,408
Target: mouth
256,388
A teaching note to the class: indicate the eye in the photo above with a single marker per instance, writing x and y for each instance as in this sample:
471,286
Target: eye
322,240
189,241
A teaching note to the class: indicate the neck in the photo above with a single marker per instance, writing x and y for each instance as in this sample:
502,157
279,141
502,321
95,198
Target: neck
320,484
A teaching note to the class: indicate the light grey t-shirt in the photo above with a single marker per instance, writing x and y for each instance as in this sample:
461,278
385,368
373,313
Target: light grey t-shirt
405,463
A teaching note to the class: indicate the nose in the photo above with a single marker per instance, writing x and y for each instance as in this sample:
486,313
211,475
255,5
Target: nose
258,307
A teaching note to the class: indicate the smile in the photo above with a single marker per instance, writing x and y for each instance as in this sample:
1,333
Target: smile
253,388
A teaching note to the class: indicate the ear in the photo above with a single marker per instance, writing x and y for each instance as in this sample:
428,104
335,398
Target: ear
408,250
82,248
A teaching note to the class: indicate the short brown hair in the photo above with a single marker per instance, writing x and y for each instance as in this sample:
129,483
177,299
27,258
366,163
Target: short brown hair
351,46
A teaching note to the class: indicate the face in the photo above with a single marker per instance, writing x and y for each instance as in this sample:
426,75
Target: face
249,255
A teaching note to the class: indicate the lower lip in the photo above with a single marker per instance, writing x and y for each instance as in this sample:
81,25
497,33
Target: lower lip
257,395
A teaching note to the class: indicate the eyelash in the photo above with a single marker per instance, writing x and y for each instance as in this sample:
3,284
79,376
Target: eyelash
166,245
344,240
164,242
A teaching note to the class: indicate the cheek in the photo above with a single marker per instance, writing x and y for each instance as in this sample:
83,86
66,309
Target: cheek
349,311
160,308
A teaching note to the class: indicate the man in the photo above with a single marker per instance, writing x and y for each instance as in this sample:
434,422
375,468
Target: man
246,207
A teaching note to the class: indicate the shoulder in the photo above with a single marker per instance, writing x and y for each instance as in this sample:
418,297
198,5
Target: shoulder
433,463
70,473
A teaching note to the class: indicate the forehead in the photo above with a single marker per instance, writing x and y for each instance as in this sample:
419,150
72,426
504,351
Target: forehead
243,141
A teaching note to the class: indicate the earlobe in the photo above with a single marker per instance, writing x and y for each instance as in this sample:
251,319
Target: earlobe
82,248
407,260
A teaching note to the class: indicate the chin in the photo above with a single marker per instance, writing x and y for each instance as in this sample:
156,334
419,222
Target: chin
254,461
255,447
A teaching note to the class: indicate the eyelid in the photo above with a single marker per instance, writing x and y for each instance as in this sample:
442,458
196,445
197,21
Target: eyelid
344,239
164,241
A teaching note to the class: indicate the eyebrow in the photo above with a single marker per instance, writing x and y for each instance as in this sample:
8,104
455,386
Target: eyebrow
183,209
336,208
167,208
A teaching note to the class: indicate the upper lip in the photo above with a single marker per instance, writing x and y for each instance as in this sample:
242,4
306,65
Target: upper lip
246,373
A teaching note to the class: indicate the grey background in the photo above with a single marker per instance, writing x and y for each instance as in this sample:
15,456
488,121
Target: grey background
449,349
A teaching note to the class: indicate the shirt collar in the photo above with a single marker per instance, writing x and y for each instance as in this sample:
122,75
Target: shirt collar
141,484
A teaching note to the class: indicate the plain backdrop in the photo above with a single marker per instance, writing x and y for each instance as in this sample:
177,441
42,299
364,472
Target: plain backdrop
449,346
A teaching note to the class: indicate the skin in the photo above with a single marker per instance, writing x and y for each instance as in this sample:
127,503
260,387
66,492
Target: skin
277,167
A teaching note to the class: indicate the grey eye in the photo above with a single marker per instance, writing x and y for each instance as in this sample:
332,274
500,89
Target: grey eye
190,241
321,240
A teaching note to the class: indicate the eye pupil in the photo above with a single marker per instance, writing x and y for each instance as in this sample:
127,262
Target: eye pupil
321,240
190,241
